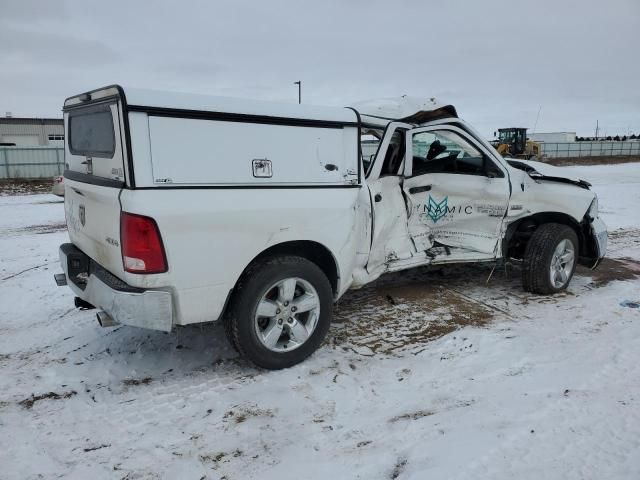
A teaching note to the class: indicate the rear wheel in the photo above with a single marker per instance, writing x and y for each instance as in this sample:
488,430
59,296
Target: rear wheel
550,259
280,312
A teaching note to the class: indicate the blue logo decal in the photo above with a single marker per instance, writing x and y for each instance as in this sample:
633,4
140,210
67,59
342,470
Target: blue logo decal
436,210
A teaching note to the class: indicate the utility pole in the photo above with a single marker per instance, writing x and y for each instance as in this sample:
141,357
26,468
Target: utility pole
299,83
597,129
537,117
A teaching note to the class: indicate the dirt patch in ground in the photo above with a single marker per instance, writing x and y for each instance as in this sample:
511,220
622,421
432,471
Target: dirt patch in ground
624,237
44,228
402,312
397,317
24,187
219,457
38,229
130,382
610,160
612,269
28,403
240,413
411,416
623,234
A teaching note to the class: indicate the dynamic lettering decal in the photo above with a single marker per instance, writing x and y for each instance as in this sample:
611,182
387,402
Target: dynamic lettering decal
435,210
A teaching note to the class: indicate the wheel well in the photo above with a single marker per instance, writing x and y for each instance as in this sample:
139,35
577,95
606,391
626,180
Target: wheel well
312,251
519,232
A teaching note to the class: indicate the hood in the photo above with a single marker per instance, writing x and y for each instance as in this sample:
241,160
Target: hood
544,171
406,109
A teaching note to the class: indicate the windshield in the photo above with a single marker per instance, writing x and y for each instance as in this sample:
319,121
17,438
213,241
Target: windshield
506,136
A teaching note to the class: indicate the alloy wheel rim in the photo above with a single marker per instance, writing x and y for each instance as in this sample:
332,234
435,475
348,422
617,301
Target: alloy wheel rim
562,263
287,314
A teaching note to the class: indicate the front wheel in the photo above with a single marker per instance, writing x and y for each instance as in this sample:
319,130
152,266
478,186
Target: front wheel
280,312
550,259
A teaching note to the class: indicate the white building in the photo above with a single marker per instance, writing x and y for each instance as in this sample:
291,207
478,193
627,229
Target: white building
552,137
31,132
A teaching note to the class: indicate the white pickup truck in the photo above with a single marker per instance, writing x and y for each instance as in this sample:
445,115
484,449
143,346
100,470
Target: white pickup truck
185,208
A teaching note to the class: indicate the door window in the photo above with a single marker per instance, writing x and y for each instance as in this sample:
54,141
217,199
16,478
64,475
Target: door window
394,155
370,139
444,151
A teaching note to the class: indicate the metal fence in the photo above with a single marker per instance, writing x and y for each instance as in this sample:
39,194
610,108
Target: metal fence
47,162
590,149
31,162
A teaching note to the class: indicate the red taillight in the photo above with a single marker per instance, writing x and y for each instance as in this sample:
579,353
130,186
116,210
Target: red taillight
142,249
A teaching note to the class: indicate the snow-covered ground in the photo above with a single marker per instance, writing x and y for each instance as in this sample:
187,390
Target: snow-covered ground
431,374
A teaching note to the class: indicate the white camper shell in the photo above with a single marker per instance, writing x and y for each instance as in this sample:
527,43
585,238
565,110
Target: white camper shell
186,208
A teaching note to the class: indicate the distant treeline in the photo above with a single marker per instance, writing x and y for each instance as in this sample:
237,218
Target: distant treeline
617,138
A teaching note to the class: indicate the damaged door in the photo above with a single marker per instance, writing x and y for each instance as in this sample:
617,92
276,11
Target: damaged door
390,242
457,195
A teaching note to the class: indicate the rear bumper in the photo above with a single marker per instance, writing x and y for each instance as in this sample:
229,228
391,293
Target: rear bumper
125,304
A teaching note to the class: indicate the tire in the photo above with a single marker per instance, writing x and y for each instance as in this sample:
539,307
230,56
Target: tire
267,284
541,256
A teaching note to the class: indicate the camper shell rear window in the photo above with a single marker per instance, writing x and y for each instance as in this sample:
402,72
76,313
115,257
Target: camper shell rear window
91,132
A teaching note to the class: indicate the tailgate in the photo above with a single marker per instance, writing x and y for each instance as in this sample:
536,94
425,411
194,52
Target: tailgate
93,221
94,178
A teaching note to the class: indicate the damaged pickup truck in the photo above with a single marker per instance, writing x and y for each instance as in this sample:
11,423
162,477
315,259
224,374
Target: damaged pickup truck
184,209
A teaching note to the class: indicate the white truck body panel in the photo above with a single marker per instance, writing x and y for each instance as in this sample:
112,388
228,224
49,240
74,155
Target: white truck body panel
295,155
532,196
204,267
226,180
191,102
93,222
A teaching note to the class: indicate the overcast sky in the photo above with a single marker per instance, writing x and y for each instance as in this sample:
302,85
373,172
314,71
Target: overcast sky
498,61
